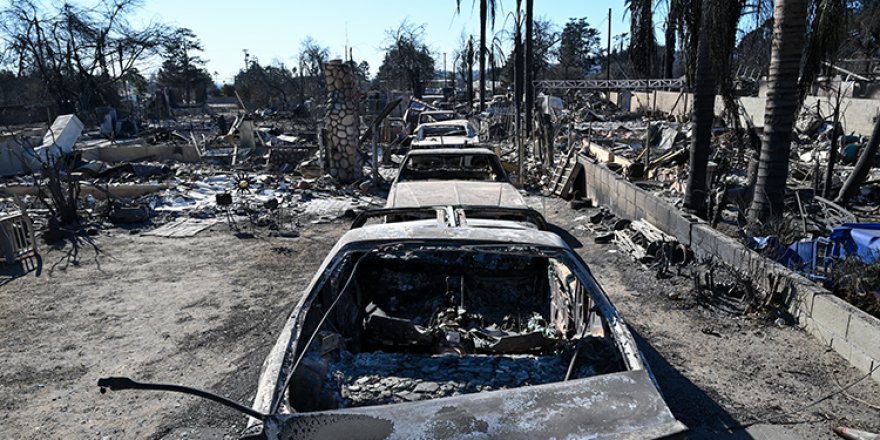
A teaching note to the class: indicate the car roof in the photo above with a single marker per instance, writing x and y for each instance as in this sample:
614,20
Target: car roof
450,151
444,123
419,231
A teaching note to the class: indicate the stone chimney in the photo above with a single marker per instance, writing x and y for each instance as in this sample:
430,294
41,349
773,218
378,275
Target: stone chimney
342,122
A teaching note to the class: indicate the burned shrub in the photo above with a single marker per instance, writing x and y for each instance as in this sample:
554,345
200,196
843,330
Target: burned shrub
858,283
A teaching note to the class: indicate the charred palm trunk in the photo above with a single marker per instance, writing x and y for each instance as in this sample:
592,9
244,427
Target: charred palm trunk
641,43
415,83
669,59
703,116
483,19
518,96
470,82
863,167
530,70
518,67
832,153
782,105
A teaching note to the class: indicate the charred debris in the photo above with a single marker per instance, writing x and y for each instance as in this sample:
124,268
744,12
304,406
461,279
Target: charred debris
831,213
428,323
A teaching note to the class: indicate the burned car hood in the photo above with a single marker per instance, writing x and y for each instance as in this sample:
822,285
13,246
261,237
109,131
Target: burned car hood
620,406
454,193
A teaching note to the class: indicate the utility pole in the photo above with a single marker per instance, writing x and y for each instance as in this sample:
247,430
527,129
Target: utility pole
608,61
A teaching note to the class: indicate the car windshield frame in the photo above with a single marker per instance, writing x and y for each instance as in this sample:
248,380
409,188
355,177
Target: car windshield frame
447,170
431,117
442,130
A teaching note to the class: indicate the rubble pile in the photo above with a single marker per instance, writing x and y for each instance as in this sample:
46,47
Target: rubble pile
653,152
267,164
643,241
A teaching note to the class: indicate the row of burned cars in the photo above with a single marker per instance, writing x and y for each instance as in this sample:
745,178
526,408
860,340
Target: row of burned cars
453,313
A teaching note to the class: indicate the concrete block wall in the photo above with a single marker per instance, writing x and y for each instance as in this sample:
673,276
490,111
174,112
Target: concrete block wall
858,114
852,333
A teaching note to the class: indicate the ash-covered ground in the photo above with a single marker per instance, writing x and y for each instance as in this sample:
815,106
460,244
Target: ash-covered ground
204,311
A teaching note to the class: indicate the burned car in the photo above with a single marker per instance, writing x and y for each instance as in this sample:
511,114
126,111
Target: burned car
415,331
451,133
429,116
436,331
451,176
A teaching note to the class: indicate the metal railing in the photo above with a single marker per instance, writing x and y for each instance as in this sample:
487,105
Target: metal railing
603,84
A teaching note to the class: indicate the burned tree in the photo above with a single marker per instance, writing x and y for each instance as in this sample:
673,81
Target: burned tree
717,38
312,57
408,62
267,86
670,28
464,59
487,16
545,35
703,115
80,54
578,49
863,167
182,71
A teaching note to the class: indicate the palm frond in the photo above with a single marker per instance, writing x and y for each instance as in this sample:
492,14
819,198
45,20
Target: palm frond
642,42
826,30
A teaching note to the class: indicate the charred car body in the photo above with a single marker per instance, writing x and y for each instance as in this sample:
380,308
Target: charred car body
451,133
412,330
452,176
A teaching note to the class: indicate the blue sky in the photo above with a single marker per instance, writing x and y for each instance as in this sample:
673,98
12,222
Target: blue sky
273,30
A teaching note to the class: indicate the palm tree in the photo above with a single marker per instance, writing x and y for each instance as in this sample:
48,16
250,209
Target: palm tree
687,23
826,33
463,65
672,19
703,116
496,54
487,15
782,105
530,61
641,42
717,36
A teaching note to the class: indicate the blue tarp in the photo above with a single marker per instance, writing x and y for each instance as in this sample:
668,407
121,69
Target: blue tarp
799,254
859,239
